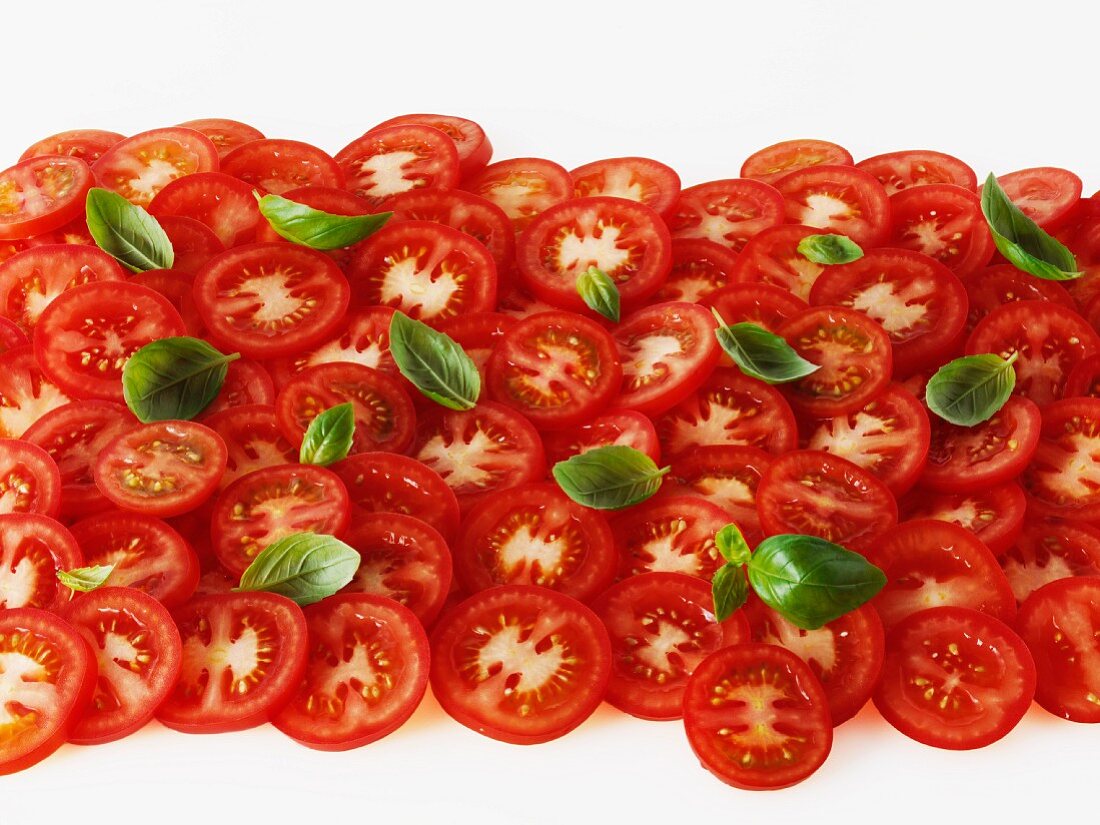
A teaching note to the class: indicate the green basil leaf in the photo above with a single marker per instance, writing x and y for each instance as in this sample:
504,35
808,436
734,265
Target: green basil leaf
311,227
600,293
173,378
829,249
434,363
732,545
127,232
729,590
85,579
609,478
761,354
970,390
1021,241
328,437
811,581
304,567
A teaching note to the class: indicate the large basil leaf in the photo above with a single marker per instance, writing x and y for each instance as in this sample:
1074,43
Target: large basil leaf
970,390
311,227
173,378
609,478
329,436
761,354
1020,239
127,232
434,363
304,567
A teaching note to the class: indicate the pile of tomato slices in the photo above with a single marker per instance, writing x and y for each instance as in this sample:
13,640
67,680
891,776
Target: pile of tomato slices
522,609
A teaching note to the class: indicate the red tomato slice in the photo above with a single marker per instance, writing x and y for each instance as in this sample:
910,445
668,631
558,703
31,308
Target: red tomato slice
1084,378
478,333
364,338
853,351
219,201
669,534
662,625
389,160
729,408
267,300
33,549
278,166
522,187
993,514
727,476
761,304
74,232
11,336
26,395
29,479
626,241
244,656
556,368
667,352
246,384
838,199
138,651
87,145
474,148
482,220
33,279
634,179
944,222
1063,479
1045,194
272,503
628,428
727,212
1004,284
955,678
757,718
772,259
225,134
41,194
535,535
178,291
252,438
773,162
50,674
699,268
1048,550
912,168
194,244
366,673
520,664
138,167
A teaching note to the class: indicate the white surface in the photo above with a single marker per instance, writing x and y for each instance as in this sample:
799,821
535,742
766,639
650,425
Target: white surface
696,85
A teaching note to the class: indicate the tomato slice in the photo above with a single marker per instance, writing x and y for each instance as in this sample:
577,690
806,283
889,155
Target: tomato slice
699,268
219,201
634,179
138,167
1045,194
11,336
1084,378
26,394
272,503
667,352
761,304
267,300
520,664
244,656
955,678
41,194
626,241
756,717
138,652
364,338
475,216
944,222
993,514
29,479
478,333
389,160
246,384
727,476
427,270
224,133
772,259
669,534
49,676
773,162
853,351
625,427
661,625
1048,550
194,244
535,535
522,187
474,148
278,166
1004,284
33,549
87,145
252,438
727,212
1063,479
838,199
913,168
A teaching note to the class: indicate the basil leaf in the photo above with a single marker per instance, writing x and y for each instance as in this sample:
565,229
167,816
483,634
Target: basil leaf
127,232
434,363
829,249
85,579
761,354
173,378
1021,241
316,229
328,437
729,589
732,545
600,293
304,567
609,478
811,581
970,390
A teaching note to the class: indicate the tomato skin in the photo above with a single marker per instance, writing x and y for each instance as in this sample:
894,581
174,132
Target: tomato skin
993,514
727,212
773,162
86,144
726,475
1059,481
220,202
475,216
772,259
904,170
33,549
988,672
626,427
522,187
426,159
474,148
1046,194
29,479
669,534
638,179
277,166
1049,550
57,186
795,698
866,219
225,134
139,166
945,222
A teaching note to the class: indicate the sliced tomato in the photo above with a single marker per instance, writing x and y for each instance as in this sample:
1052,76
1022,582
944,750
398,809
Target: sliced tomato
73,232
634,179
520,664
41,194
194,244
772,259
993,514
138,167
224,133
1084,378
761,304
725,475
1005,284
944,222
1048,550
26,394
246,384
252,438
31,280
628,428
29,479
773,162
364,338
522,187
1045,194
699,268
669,534
178,291
87,145
913,168
33,549
839,199
11,336
471,214
727,212
1063,479
474,148
389,160
219,201
277,166
478,334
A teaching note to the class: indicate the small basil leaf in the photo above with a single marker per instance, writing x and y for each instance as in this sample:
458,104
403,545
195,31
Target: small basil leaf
173,378
732,545
829,249
311,227
811,581
1020,239
729,590
609,478
600,293
434,363
85,579
304,567
329,436
970,390
127,232
761,354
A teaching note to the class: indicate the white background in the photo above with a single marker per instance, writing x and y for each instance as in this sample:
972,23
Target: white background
1003,85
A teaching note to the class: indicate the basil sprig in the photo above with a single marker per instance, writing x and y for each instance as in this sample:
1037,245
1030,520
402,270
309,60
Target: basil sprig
329,436
127,232
314,228
761,354
829,249
434,363
1020,239
173,378
970,390
85,579
610,477
304,567
807,580
600,293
